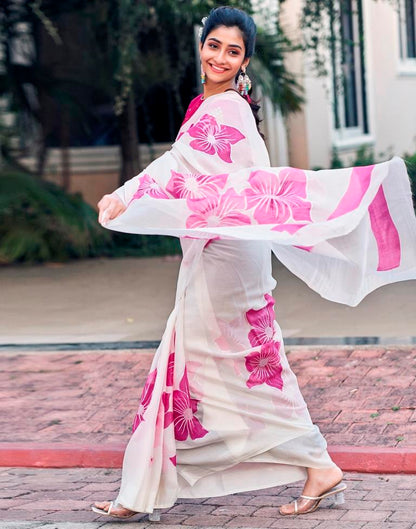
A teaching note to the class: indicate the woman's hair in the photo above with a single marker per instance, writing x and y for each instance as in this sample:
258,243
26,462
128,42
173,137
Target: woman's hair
230,17
233,17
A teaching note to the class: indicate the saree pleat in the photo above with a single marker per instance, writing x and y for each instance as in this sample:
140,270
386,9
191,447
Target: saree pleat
221,410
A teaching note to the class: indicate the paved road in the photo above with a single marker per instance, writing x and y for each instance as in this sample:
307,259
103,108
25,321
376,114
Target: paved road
60,499
101,300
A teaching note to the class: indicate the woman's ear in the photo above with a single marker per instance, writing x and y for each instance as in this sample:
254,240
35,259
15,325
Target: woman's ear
245,63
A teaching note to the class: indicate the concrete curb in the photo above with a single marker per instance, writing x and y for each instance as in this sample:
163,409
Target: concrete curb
367,459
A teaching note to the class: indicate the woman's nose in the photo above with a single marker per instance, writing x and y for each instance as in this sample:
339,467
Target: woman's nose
221,56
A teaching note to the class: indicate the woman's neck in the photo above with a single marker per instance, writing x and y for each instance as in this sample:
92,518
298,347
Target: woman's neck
211,89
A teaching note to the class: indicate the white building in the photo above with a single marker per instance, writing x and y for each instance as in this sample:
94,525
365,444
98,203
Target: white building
374,103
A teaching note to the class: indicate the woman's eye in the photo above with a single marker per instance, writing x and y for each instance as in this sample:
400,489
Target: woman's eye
214,46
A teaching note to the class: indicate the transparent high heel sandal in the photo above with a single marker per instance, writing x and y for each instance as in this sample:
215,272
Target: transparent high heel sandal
152,517
337,492
155,515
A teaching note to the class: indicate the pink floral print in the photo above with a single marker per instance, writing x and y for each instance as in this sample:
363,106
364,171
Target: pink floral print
184,409
213,211
170,369
265,366
149,186
278,197
212,138
263,323
189,185
145,399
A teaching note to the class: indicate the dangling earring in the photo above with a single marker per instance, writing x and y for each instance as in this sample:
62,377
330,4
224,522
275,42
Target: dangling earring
203,76
243,83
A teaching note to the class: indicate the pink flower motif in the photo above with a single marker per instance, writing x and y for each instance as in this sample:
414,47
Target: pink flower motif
191,185
213,138
170,369
263,323
265,366
173,460
184,409
168,414
216,211
277,197
145,399
148,186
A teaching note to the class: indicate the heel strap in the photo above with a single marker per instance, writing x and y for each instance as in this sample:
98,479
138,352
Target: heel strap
310,497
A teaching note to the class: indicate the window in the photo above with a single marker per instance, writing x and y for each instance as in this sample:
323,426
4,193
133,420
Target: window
348,70
407,29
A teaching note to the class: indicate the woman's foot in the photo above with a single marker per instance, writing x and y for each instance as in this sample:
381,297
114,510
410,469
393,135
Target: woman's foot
319,482
110,508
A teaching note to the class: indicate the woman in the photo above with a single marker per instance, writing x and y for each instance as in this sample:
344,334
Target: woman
221,411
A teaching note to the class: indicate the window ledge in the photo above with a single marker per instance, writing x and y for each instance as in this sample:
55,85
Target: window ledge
407,68
348,144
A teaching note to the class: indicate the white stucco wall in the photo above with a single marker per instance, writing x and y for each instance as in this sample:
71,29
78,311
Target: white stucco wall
392,93
318,120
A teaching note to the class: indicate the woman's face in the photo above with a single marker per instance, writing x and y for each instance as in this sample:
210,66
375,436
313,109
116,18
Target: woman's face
222,55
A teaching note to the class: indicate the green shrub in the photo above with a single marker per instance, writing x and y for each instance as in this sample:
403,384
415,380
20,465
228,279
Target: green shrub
411,169
40,222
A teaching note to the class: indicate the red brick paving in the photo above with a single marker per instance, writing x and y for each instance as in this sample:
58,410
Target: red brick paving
357,396
30,497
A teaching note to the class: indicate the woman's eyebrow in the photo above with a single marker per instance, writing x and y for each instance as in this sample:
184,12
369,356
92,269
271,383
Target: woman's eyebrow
230,45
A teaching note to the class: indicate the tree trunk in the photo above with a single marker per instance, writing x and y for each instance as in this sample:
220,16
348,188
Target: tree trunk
129,143
65,140
41,153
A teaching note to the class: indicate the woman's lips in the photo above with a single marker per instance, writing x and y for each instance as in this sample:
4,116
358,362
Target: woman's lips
217,69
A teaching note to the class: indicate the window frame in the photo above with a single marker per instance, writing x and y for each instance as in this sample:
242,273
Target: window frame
407,58
343,92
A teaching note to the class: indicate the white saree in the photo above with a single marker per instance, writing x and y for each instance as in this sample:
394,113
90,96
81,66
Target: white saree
221,410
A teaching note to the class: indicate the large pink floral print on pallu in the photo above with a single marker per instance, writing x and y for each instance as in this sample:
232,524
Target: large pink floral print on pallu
184,409
148,186
382,225
278,197
213,211
145,399
213,138
190,185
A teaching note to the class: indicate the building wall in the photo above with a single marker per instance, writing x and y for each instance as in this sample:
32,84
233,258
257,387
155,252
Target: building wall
390,95
393,92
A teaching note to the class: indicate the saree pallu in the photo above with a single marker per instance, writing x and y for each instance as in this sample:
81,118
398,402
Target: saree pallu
221,410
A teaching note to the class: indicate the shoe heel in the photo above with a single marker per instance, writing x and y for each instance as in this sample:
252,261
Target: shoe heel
339,498
154,516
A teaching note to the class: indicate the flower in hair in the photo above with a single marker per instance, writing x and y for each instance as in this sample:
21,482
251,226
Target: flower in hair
201,29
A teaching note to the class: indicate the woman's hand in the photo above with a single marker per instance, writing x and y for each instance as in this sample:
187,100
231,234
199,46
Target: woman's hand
110,207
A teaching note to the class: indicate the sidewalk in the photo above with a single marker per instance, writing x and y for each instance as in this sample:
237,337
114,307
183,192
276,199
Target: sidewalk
112,300
76,409
61,499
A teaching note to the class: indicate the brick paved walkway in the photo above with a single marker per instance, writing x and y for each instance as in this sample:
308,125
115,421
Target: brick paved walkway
358,397
61,499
